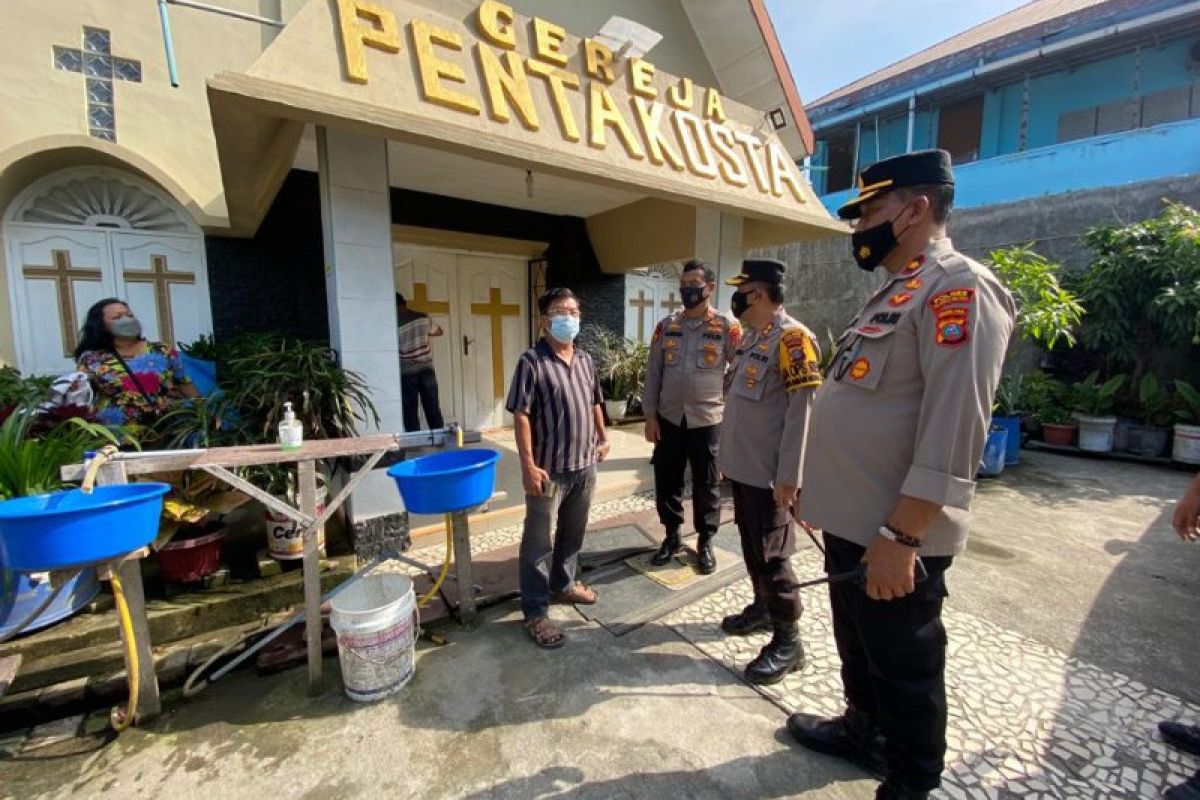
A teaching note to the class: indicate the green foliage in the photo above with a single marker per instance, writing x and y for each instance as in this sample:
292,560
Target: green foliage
1046,399
1187,401
1142,290
1056,415
1009,396
1046,312
1154,401
205,347
18,390
200,422
30,462
827,353
621,363
1096,399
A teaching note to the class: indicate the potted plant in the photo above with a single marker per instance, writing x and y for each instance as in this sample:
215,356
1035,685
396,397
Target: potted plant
1047,313
1154,402
1187,431
1093,404
621,368
1058,424
1038,390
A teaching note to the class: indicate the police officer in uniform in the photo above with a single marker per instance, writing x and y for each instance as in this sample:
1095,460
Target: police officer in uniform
767,401
897,432
683,403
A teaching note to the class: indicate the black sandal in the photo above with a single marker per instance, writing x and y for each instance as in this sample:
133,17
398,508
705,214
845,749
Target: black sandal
545,634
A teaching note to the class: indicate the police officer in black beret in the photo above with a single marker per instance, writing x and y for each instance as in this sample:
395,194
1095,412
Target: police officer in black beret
897,432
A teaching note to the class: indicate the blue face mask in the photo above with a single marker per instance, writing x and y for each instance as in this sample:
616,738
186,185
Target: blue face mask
564,328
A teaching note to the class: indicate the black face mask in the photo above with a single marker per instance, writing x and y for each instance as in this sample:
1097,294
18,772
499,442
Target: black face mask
871,246
692,295
740,302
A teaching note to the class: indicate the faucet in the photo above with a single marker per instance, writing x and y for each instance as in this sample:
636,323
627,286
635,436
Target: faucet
94,463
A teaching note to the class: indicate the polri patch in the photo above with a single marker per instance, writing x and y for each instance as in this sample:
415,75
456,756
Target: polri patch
952,297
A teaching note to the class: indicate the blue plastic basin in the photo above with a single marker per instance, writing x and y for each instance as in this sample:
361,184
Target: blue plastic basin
69,529
445,482
23,594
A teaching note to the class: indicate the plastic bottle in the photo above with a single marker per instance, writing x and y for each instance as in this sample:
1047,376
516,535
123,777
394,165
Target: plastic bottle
291,430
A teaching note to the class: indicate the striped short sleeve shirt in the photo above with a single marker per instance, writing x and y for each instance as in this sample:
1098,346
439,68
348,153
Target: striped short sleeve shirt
559,399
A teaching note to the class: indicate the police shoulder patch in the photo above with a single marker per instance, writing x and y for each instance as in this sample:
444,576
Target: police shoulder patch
799,360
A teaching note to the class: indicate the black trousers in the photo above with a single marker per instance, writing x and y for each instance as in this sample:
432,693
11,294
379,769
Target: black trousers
893,663
768,542
678,446
423,386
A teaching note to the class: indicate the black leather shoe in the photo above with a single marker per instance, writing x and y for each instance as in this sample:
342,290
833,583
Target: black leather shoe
750,619
781,655
667,550
1180,736
706,559
852,736
890,790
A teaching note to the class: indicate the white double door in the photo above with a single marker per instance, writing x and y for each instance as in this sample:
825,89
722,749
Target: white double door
56,272
648,298
480,302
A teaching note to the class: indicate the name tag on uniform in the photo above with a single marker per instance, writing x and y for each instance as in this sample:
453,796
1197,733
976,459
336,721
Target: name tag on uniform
710,335
760,358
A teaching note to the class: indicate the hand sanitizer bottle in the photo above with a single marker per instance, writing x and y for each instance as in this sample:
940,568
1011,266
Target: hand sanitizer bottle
291,430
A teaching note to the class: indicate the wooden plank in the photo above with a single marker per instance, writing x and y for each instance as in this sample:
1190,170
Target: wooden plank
8,671
130,573
306,473
266,498
464,569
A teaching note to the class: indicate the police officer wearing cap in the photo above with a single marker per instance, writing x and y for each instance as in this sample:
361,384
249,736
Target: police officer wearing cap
768,395
897,432
683,403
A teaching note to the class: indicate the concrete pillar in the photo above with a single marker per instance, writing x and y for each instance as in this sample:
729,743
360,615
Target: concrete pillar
356,225
719,244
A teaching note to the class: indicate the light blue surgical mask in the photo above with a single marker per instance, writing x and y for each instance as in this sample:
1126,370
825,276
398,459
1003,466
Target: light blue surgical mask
564,328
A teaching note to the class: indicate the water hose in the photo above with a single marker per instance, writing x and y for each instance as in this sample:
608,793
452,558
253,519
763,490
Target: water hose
425,598
102,457
121,720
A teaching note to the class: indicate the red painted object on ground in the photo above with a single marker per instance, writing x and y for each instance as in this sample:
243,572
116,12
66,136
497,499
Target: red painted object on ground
186,560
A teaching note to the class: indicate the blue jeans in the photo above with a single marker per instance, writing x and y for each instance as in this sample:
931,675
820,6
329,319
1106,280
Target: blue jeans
550,566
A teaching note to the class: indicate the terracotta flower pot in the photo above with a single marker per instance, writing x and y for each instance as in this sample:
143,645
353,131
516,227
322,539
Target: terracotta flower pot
1063,435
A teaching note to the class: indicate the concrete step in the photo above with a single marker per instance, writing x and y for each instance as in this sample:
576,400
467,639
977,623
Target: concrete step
182,616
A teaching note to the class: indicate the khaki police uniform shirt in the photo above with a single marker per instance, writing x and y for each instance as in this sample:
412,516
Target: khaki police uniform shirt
906,404
686,372
767,401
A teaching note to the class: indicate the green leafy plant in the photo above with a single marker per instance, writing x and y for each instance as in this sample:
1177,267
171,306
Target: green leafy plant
827,353
1142,289
31,461
1187,403
1154,401
1056,415
621,363
1047,313
1096,399
204,347
1010,394
200,422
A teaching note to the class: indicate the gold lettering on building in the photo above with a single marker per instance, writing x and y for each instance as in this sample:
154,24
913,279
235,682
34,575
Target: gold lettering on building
602,113
682,94
658,148
697,152
725,146
548,40
496,24
750,147
782,173
435,69
505,80
559,81
641,79
712,106
598,60
365,25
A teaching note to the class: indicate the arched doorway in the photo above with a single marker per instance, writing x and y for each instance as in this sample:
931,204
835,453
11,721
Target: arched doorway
86,233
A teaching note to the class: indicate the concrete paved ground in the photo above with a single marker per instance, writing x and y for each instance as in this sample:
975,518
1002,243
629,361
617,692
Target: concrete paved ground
1073,586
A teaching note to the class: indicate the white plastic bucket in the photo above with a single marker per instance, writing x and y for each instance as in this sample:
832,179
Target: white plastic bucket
1096,433
1187,444
376,623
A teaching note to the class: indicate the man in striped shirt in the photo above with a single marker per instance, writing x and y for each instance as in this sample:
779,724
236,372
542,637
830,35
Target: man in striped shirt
417,378
555,402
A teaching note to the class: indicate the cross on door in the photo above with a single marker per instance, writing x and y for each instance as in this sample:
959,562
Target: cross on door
497,310
96,62
641,303
420,301
64,275
162,280
670,303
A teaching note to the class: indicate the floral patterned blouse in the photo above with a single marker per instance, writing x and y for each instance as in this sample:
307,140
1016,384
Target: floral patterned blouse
159,372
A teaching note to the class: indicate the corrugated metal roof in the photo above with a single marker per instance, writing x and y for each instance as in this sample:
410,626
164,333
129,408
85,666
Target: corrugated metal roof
1032,15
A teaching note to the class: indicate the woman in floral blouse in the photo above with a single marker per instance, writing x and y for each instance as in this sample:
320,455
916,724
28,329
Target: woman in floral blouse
135,381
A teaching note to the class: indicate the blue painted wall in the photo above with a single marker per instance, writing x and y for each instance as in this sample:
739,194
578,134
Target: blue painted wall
1104,81
1131,157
